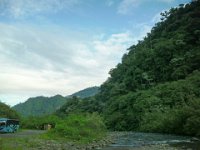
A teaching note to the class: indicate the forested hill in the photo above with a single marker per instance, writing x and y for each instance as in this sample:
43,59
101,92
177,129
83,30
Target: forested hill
170,52
7,112
91,91
156,88
41,105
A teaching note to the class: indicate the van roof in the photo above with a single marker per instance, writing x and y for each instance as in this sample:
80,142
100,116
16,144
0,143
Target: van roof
5,119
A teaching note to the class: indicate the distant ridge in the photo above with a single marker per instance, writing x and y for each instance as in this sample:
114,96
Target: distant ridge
88,92
38,106
41,105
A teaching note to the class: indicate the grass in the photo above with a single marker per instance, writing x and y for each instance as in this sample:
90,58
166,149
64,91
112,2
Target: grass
78,128
18,143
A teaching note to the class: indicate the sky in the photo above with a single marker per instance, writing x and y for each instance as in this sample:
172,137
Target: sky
50,47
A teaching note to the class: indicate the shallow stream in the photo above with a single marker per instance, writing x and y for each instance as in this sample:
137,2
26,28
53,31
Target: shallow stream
136,140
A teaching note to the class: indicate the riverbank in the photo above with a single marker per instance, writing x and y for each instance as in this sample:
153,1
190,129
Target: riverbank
149,147
152,141
32,140
113,141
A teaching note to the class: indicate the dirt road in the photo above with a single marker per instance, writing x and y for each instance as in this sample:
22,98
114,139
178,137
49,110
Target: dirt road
23,133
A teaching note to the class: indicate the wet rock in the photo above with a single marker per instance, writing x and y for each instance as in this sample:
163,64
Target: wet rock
195,139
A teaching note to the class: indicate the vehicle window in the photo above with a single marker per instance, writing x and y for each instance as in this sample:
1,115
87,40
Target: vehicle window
2,123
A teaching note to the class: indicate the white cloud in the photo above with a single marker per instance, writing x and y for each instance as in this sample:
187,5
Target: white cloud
109,2
156,18
114,45
166,1
126,6
36,61
24,8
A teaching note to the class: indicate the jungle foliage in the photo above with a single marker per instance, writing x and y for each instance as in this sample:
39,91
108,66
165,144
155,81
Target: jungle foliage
76,127
7,112
82,128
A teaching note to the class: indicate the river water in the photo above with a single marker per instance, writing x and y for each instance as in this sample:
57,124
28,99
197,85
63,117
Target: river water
133,140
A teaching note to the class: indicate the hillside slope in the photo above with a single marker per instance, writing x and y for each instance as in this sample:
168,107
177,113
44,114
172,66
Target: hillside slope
40,105
156,88
7,112
88,92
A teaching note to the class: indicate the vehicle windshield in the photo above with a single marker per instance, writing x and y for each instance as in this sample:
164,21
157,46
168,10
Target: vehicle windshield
12,122
2,123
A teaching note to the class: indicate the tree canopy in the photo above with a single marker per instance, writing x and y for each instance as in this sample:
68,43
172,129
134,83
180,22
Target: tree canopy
7,112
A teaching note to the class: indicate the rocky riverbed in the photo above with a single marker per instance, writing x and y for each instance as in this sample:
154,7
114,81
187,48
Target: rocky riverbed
128,141
152,141
113,141
58,145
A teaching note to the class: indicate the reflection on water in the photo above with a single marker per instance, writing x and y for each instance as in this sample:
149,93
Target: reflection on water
133,139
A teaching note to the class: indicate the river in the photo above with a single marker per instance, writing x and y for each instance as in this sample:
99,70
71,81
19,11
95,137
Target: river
137,140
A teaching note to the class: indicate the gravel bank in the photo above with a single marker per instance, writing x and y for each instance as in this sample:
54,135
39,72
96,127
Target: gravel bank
104,144
99,145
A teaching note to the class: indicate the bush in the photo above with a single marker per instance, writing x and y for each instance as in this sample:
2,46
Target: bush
81,128
39,122
192,125
7,112
170,121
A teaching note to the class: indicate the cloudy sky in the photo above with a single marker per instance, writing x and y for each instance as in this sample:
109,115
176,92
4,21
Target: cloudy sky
50,47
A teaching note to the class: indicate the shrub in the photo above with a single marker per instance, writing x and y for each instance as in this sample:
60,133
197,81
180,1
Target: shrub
39,122
80,128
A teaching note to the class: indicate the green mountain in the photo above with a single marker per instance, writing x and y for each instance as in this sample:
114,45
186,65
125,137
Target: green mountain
156,88
41,105
7,112
88,92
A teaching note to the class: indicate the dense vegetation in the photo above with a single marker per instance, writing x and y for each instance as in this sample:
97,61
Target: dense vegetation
41,106
38,122
77,105
156,88
81,128
171,107
7,112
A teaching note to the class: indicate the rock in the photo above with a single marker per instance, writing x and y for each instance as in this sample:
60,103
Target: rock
195,139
